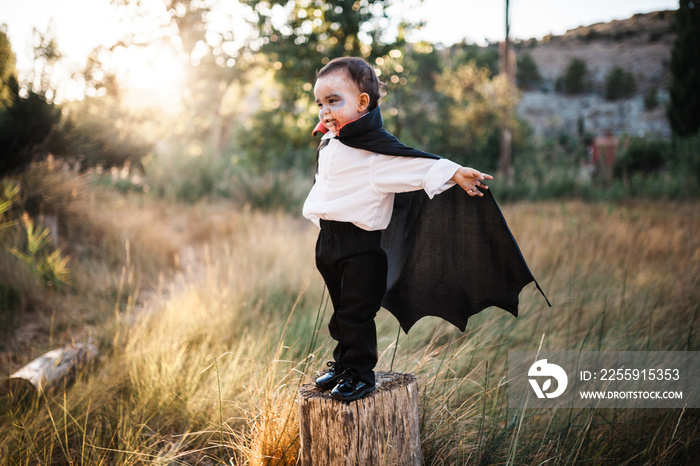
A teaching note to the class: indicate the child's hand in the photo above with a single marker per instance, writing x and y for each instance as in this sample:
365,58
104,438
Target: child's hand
470,179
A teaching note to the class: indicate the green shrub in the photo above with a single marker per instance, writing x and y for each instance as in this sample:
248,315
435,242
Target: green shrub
29,262
619,84
95,140
651,99
177,175
484,57
646,168
24,126
575,79
49,268
643,156
271,191
529,76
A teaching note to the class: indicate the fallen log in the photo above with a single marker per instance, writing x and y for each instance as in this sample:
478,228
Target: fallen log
51,368
381,428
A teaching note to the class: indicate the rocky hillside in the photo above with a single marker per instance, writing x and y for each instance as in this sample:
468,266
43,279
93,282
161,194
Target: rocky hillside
640,44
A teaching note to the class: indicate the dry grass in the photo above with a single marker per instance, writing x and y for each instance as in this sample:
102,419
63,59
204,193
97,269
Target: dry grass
204,369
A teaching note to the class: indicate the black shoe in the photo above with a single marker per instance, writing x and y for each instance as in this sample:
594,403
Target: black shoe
330,378
351,388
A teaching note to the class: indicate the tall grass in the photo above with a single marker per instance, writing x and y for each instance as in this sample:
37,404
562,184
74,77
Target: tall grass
206,370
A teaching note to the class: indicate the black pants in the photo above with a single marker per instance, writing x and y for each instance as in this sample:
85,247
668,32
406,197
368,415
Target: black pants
354,267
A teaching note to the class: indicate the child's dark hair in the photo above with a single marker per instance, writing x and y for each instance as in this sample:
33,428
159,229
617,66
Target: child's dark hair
360,72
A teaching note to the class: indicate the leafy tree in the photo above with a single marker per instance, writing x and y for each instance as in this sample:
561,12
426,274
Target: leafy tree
683,109
478,106
483,56
411,104
8,70
98,79
575,78
529,76
46,56
619,84
317,31
210,56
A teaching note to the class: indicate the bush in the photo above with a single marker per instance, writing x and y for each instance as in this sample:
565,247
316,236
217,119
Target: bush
94,141
575,79
30,263
651,99
549,169
177,175
284,191
529,76
24,125
643,156
174,175
619,84
484,57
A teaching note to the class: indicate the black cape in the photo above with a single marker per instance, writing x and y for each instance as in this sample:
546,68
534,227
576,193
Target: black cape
451,256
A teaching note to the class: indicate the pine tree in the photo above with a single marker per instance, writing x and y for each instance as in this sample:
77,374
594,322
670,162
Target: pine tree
683,110
24,122
529,76
575,78
619,84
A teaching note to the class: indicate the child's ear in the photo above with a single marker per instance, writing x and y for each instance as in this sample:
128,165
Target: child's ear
363,101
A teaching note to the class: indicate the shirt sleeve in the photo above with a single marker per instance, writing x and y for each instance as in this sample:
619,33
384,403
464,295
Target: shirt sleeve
393,174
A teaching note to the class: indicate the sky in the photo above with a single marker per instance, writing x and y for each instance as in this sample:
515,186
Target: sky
81,25
450,21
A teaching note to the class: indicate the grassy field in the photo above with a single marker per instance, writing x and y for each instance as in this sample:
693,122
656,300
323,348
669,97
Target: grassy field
210,316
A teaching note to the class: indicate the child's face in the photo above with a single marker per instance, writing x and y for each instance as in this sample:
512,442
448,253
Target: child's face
339,100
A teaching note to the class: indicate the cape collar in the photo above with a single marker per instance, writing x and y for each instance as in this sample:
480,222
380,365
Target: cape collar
368,122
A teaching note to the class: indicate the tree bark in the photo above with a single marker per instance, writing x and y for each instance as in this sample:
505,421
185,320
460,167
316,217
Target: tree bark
379,429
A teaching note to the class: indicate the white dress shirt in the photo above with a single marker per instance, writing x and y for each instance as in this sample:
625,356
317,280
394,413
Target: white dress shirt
358,186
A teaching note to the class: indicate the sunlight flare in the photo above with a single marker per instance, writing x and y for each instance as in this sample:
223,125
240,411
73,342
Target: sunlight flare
156,75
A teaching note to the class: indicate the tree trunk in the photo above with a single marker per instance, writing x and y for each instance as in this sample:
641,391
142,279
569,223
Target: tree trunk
378,429
51,368
505,162
507,64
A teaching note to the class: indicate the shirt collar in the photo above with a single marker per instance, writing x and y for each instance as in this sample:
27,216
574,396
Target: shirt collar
368,122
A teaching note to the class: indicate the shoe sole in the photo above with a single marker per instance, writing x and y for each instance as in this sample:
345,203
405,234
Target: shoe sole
353,397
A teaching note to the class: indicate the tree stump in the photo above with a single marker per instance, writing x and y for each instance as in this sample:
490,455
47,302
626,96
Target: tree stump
379,429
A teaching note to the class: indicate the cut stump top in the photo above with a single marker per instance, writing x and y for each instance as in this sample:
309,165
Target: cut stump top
385,381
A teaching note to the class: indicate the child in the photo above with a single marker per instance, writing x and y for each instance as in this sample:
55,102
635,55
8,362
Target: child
360,168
